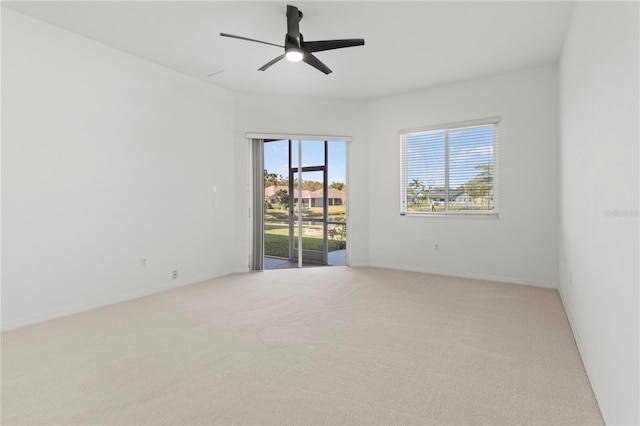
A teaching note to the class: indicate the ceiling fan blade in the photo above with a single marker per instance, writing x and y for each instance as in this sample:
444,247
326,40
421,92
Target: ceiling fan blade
249,39
316,63
318,46
268,64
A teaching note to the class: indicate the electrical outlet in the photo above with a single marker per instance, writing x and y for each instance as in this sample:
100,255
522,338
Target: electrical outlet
174,274
143,262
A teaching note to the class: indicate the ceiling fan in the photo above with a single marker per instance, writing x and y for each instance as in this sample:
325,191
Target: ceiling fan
296,49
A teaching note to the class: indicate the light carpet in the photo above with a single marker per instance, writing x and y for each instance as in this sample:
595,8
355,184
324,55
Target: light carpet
310,347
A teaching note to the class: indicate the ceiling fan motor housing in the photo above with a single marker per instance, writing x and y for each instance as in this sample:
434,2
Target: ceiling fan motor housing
293,38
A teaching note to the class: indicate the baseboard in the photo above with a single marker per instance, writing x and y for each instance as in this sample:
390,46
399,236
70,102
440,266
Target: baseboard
606,416
46,316
357,264
509,280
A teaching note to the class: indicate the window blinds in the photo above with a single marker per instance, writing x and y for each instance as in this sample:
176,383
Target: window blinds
450,169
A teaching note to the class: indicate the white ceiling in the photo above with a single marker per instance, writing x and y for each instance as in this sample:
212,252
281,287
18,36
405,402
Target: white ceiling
408,45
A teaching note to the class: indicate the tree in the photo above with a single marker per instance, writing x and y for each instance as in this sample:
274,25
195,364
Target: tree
337,185
282,197
482,185
414,188
338,233
485,172
270,179
311,185
423,198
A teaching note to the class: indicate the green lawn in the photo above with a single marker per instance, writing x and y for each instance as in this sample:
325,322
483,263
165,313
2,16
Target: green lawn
276,240
276,229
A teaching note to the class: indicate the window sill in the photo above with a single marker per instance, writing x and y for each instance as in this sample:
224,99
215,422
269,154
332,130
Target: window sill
464,215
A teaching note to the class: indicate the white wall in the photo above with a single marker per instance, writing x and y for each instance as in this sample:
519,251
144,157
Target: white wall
106,158
307,116
520,246
599,199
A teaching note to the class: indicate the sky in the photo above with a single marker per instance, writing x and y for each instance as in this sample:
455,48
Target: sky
276,159
468,148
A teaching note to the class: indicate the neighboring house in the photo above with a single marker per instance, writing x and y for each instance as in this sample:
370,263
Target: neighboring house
432,196
437,196
335,197
455,197
461,198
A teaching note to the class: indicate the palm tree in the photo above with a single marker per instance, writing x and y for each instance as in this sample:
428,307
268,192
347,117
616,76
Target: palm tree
414,188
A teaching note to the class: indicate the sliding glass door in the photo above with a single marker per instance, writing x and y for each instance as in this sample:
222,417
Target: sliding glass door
304,216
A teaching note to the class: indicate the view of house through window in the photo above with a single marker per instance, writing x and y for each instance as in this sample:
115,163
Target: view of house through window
321,202
450,170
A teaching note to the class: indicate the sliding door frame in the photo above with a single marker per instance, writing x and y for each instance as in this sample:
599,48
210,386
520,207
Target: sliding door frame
256,188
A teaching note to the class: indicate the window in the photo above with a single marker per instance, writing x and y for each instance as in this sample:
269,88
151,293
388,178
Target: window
450,169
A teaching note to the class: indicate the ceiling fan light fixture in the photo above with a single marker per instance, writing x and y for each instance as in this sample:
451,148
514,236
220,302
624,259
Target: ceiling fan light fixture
294,55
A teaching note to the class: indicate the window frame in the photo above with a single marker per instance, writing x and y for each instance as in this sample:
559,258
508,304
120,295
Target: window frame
447,127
